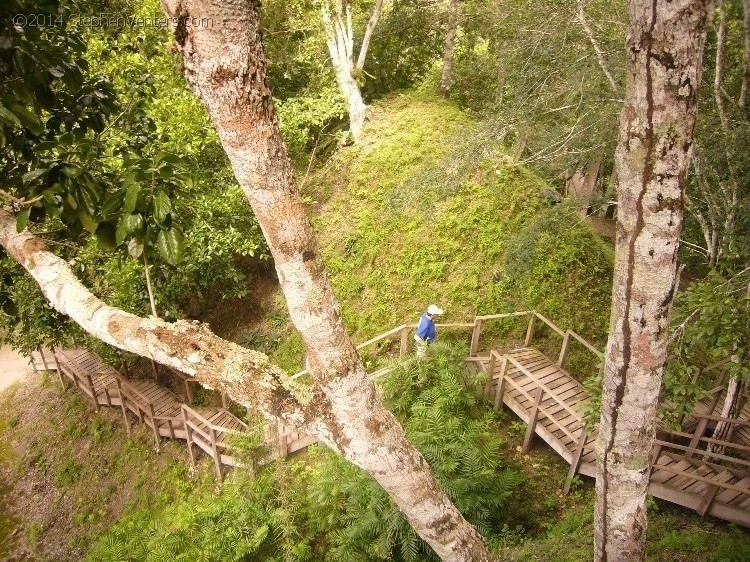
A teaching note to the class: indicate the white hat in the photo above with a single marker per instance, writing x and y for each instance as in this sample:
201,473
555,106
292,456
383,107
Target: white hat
433,310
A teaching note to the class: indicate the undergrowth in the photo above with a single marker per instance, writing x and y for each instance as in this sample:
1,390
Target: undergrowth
430,208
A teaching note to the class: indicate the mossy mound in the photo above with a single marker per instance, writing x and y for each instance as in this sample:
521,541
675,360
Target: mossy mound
430,208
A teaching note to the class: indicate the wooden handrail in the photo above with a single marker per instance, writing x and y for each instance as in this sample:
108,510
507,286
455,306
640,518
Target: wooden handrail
721,419
549,323
546,389
669,445
588,346
477,324
504,315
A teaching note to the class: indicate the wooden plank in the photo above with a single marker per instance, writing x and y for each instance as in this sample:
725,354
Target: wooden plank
711,491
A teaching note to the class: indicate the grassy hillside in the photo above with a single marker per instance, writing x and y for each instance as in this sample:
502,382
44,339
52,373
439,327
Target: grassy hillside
430,208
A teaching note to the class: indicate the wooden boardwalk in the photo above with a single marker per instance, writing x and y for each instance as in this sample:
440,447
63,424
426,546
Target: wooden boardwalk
536,388
151,404
545,396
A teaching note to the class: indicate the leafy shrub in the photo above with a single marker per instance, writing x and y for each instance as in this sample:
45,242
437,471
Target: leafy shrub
442,415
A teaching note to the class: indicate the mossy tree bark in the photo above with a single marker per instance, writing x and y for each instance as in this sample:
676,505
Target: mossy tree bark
225,65
665,48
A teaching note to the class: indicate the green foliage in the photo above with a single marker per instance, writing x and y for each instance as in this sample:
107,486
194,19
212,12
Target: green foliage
427,209
321,506
52,111
711,321
231,524
533,70
443,418
556,264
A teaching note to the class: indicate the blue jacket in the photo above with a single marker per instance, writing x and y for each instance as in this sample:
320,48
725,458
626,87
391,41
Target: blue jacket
426,328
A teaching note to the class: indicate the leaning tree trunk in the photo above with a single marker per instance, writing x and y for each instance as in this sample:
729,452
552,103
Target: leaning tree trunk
225,65
733,404
450,37
247,376
665,47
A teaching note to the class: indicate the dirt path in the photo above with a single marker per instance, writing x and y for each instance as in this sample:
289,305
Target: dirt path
13,367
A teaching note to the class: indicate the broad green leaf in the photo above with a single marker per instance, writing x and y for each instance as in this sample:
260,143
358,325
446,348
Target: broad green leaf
85,200
88,222
131,198
8,116
171,245
111,204
28,177
135,224
162,207
28,119
135,247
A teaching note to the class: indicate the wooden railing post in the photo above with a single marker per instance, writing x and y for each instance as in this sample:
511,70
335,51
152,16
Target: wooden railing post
216,455
564,349
123,405
491,371
500,384
530,329
224,400
404,342
527,440
153,424
188,435
90,383
475,337
576,460
44,360
60,376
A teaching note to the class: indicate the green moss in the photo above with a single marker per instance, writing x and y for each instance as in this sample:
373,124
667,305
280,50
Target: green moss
427,209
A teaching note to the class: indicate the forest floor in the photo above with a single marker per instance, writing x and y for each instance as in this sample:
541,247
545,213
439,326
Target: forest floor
13,367
67,472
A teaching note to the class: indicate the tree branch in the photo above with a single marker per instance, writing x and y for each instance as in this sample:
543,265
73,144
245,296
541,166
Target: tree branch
581,17
368,34
247,376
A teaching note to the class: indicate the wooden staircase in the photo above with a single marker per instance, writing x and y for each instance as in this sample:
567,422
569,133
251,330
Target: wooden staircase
545,396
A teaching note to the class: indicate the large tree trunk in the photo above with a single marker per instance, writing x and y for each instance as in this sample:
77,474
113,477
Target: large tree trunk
450,37
665,47
353,95
225,65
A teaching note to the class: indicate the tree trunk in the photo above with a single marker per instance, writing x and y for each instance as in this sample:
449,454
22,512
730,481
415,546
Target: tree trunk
665,47
353,95
339,34
746,56
226,67
733,405
450,36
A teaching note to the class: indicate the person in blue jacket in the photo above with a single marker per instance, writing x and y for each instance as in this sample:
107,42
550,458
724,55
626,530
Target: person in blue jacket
426,333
